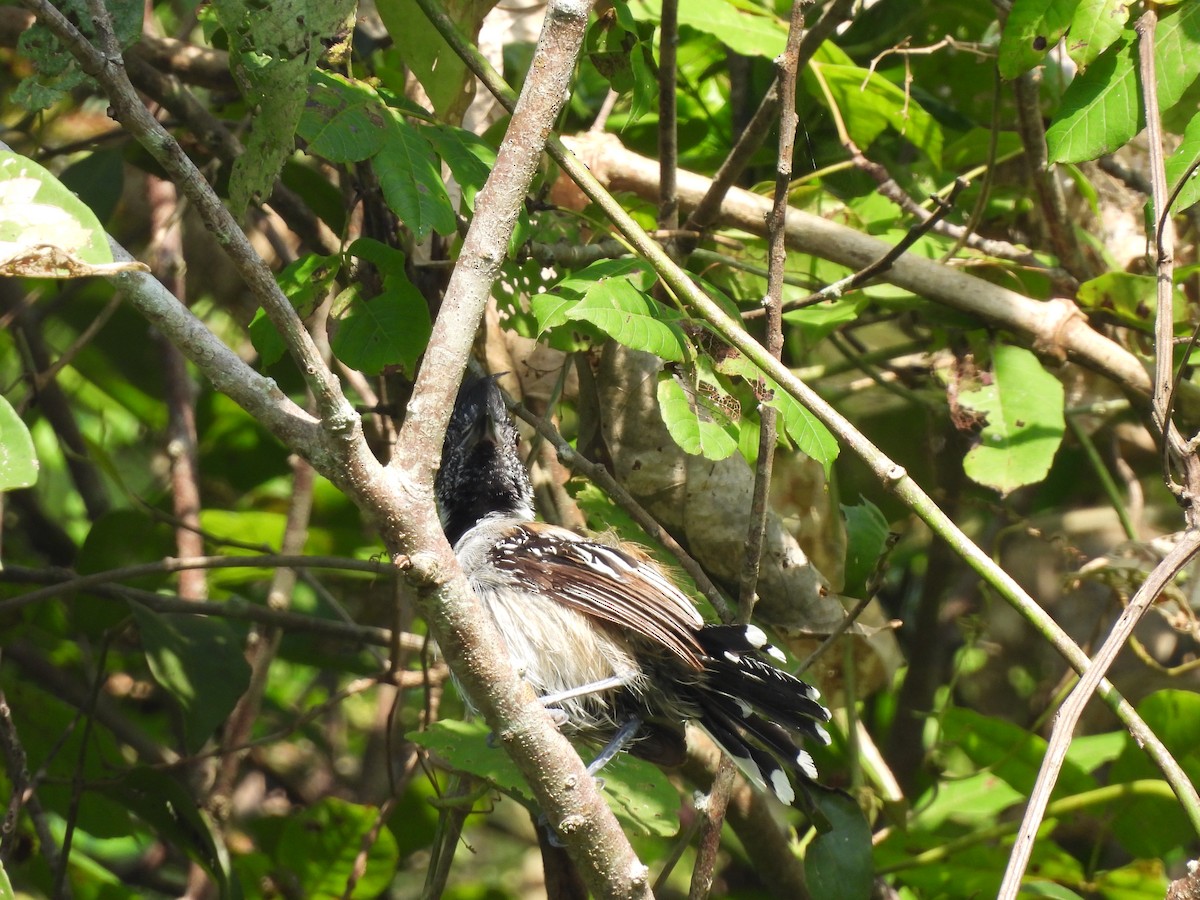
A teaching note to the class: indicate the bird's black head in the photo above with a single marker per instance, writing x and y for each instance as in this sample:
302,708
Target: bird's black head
481,473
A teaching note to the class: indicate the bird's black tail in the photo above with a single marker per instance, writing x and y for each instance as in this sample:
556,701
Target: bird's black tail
756,711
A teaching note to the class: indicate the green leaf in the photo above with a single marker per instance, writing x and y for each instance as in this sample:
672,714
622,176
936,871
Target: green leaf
6,891
1024,409
320,847
18,459
343,121
627,315
1149,826
819,321
619,47
1100,110
742,27
273,49
470,158
390,330
166,805
689,423
45,230
639,794
1132,299
804,429
1033,29
200,661
1008,751
443,75
411,179
866,541
1180,165
837,864
1096,26
975,801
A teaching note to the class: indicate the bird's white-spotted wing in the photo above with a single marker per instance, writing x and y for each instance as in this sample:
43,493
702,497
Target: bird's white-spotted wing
613,584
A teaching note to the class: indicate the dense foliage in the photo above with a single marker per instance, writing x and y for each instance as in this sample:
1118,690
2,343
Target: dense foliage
188,707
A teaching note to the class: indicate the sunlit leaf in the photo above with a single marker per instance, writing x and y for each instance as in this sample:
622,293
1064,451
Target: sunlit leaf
690,424
45,230
1024,426
1033,29
18,459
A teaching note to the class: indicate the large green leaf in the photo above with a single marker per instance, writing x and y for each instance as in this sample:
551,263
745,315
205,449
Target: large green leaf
1096,26
1149,826
411,179
18,459
1033,29
639,794
45,230
1024,410
200,662
742,27
631,317
319,850
344,120
837,864
389,330
1008,751
1101,109
690,422
444,76
273,49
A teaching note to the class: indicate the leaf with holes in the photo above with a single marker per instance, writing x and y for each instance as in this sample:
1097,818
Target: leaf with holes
1024,409
689,423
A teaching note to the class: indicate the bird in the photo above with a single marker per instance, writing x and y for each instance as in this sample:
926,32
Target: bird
617,652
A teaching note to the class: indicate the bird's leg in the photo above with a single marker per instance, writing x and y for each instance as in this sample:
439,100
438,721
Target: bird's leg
594,687
619,742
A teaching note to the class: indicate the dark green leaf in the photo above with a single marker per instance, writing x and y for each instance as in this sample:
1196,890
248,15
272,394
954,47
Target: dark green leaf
866,540
200,661
1149,826
343,121
167,806
469,157
319,849
411,179
837,864
390,330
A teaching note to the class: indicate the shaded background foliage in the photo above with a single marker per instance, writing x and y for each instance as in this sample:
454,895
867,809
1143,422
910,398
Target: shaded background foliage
293,738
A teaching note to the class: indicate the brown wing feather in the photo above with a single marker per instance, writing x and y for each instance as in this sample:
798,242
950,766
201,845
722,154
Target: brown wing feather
609,583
